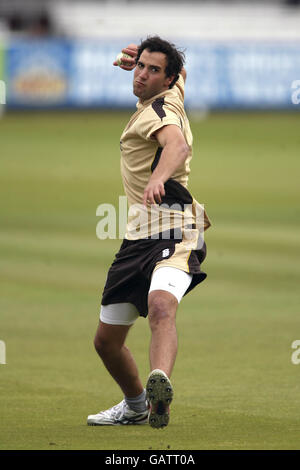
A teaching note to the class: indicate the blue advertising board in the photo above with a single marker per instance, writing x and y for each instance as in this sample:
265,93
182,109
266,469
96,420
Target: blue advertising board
249,75
65,73
38,73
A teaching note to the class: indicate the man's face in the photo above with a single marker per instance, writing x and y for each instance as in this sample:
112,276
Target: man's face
149,75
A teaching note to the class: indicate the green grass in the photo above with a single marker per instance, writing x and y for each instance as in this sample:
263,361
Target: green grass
235,384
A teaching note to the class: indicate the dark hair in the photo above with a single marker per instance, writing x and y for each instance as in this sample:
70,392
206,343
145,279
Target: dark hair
175,58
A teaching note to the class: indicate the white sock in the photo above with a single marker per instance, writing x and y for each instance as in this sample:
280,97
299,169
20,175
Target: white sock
137,404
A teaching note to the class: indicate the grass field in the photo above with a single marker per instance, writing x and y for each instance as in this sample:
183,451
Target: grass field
235,384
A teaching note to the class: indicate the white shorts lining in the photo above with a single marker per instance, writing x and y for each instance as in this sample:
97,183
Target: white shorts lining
119,314
166,278
172,280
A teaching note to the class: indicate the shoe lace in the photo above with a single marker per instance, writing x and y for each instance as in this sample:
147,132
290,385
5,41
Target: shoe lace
116,411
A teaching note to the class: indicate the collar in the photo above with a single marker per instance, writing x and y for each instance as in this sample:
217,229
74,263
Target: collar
142,104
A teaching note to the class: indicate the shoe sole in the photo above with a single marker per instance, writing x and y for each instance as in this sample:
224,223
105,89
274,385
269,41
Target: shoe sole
159,395
128,423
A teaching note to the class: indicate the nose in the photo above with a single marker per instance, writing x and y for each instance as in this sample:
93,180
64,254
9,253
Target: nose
143,74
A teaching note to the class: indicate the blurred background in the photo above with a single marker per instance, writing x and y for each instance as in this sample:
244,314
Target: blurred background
58,53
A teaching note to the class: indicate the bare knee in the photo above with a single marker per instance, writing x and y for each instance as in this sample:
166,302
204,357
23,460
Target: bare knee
162,309
101,345
109,339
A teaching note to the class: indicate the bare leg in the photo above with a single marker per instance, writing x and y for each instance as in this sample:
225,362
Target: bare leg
162,320
118,360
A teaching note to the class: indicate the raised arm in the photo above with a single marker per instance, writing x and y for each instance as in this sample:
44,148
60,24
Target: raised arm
127,63
183,73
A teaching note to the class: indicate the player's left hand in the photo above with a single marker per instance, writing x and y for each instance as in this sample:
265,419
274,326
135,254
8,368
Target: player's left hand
153,192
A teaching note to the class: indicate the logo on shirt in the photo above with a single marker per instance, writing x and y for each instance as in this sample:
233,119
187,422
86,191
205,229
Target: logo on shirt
165,253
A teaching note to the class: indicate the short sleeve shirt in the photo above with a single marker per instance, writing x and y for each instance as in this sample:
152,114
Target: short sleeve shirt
139,148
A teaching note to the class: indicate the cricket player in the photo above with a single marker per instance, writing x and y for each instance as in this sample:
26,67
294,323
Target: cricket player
160,258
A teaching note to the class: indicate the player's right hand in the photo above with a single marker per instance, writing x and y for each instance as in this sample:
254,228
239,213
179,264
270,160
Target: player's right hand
128,63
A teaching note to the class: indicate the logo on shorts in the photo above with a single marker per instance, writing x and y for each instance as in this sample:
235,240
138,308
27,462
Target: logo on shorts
165,253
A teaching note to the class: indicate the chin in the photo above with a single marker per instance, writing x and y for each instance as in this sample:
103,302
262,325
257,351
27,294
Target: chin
136,93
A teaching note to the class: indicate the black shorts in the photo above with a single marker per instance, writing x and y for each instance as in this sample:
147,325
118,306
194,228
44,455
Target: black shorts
129,276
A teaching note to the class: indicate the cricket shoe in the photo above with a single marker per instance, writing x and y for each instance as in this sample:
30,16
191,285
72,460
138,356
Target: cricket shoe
159,395
118,415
